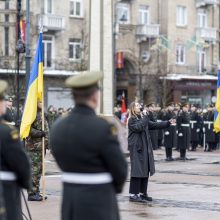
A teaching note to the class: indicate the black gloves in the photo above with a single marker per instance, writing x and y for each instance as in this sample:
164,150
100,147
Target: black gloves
43,134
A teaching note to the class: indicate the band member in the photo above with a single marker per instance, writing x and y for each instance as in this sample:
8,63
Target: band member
170,137
195,126
153,117
208,126
160,113
183,128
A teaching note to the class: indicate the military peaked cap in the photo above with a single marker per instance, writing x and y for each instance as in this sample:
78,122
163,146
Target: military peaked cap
84,79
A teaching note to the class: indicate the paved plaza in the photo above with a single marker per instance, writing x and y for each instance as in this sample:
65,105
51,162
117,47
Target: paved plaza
181,190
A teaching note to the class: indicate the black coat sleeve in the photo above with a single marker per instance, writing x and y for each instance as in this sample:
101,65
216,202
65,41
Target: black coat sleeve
158,125
137,125
113,158
16,159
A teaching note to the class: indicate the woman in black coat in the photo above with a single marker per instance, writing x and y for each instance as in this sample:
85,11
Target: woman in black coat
141,152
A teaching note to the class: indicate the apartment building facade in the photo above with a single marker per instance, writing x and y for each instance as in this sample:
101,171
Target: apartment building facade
171,49
165,50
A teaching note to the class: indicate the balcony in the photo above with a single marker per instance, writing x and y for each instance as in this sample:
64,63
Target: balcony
51,22
207,34
201,3
144,31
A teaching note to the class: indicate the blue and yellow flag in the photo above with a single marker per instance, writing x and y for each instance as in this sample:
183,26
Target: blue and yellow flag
34,91
217,106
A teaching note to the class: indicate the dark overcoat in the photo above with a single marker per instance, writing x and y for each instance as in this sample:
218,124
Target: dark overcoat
13,159
84,143
184,136
160,132
170,136
153,133
210,136
195,126
140,147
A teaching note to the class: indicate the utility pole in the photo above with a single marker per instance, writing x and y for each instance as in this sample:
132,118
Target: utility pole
28,53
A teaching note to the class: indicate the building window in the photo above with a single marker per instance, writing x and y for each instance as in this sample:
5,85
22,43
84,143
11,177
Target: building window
47,51
202,18
7,4
144,16
75,49
201,61
123,13
180,54
6,18
6,41
181,16
48,6
76,8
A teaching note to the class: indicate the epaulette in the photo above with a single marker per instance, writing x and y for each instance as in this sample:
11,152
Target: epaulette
14,132
113,128
104,117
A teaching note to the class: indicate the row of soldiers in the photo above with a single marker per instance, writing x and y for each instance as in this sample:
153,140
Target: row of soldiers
194,127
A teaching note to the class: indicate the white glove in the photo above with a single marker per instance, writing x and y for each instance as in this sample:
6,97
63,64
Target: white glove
197,130
176,132
167,133
180,134
203,130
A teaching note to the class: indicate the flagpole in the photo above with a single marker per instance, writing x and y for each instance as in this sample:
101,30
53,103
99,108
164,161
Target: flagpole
43,139
43,150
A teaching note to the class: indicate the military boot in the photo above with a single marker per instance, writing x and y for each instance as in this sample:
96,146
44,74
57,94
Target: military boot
36,197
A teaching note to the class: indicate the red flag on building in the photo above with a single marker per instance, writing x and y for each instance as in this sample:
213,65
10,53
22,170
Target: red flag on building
120,60
123,105
23,30
22,26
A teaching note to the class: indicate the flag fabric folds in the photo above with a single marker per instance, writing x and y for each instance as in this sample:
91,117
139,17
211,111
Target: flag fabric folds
217,106
123,104
34,92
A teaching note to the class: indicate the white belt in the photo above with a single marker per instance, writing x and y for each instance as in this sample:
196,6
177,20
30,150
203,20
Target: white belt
185,125
159,120
192,123
7,176
87,178
208,123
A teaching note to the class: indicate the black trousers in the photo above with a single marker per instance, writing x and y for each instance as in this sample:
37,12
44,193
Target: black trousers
169,152
182,153
194,144
138,185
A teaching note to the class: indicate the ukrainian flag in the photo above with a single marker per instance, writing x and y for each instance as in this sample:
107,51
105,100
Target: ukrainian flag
34,91
217,106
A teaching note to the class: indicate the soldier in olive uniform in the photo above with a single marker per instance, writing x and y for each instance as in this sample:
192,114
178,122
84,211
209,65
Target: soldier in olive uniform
183,129
170,137
208,129
51,116
34,148
195,126
85,147
14,165
10,115
153,117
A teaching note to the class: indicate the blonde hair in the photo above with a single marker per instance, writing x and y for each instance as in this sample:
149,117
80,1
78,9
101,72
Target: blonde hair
132,112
